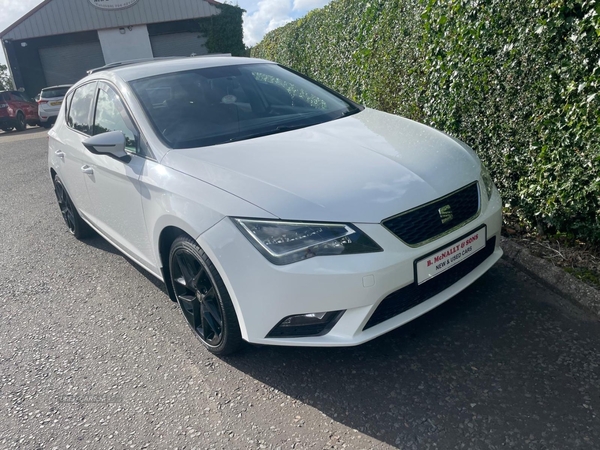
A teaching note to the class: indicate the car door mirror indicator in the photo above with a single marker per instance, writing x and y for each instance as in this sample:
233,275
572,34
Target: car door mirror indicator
110,144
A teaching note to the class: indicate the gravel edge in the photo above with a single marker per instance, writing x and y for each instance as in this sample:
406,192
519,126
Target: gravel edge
554,278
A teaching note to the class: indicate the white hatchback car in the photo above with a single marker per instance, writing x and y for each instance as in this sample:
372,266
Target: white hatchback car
49,103
275,210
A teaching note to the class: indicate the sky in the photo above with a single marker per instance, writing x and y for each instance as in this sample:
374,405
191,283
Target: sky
261,16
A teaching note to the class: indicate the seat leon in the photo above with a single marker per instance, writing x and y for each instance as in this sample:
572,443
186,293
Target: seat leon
275,210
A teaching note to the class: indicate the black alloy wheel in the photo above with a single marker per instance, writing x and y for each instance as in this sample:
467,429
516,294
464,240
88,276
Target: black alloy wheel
203,298
21,122
74,222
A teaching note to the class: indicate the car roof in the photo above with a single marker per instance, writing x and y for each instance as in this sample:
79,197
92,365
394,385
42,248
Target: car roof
143,69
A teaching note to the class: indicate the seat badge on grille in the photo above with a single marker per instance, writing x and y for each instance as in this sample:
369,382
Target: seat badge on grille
446,214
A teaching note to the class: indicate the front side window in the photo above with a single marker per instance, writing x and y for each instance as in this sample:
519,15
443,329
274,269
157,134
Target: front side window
217,105
79,111
111,115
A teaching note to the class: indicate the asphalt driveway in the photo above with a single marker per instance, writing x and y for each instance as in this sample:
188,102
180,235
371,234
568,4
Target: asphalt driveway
94,355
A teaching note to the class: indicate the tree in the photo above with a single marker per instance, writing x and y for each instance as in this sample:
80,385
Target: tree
5,81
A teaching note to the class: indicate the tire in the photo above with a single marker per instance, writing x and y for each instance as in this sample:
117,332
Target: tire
21,122
77,226
47,125
203,298
7,129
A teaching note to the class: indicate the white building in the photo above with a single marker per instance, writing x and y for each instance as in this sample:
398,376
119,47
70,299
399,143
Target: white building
59,40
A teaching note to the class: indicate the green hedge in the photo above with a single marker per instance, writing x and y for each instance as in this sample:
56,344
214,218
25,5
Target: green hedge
515,79
224,31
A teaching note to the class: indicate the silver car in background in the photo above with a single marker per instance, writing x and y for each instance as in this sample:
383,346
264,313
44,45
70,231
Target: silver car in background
49,102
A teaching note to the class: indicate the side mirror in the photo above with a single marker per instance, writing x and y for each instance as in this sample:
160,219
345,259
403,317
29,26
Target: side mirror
111,144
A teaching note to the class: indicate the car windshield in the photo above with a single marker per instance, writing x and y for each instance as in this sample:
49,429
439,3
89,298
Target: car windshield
54,92
231,103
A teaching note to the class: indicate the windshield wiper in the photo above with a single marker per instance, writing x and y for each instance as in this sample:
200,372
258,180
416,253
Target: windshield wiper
284,128
279,129
349,112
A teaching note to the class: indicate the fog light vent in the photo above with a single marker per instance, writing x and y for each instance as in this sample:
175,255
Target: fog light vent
304,325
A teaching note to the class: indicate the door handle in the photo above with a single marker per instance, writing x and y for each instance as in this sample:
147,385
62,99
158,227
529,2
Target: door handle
87,169
60,154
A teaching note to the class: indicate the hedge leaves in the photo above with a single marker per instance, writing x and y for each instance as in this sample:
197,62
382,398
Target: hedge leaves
517,80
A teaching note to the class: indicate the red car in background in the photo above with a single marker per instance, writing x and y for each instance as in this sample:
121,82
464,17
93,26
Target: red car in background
17,111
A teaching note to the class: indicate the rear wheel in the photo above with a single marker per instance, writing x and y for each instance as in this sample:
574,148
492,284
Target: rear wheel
47,125
77,226
203,297
21,122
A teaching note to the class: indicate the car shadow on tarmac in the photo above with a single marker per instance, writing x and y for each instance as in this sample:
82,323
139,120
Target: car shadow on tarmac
100,243
498,363
473,371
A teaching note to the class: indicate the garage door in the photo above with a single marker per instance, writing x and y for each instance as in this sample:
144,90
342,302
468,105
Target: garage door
178,44
69,63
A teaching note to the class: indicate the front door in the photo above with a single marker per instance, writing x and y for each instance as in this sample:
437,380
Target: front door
113,185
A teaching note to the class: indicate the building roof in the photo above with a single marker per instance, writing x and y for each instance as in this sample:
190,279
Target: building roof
53,17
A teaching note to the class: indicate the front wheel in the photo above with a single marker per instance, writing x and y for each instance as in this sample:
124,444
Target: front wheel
203,297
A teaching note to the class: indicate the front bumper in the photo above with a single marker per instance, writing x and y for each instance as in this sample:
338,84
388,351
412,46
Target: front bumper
263,294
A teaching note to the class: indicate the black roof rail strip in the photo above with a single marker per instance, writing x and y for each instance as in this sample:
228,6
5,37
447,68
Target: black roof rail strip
142,60
129,62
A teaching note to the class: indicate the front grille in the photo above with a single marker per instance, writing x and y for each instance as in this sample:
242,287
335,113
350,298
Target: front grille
410,296
423,224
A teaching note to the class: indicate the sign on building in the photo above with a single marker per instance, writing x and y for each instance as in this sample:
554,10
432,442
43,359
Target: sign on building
113,4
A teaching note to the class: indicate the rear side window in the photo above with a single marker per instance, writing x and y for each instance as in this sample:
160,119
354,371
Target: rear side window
53,93
20,97
79,111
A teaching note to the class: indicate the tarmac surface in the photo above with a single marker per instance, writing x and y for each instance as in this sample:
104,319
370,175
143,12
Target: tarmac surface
94,355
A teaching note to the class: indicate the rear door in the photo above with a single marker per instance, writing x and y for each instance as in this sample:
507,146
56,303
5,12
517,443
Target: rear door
28,106
69,152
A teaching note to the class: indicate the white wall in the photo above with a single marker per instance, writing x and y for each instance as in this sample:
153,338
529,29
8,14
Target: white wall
122,44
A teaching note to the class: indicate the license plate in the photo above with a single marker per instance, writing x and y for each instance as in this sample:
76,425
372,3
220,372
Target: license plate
449,256
55,103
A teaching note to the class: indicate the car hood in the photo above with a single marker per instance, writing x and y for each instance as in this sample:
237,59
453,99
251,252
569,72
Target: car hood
362,168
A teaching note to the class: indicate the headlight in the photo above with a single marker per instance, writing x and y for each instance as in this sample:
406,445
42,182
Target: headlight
487,181
288,242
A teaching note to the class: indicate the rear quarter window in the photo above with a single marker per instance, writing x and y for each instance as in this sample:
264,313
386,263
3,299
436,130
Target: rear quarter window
80,108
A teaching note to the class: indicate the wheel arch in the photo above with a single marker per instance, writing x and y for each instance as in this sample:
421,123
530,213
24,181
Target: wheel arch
165,240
